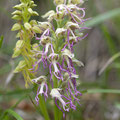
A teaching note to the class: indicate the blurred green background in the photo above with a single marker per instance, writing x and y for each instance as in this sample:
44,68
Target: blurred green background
102,99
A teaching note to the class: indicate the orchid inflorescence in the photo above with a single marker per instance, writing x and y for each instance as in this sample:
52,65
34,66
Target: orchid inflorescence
57,36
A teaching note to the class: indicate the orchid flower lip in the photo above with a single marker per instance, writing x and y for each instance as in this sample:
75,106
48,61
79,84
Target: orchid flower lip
67,53
41,91
53,57
55,94
40,79
60,31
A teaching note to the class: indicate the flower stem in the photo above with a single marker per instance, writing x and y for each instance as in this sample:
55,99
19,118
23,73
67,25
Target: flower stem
57,112
43,108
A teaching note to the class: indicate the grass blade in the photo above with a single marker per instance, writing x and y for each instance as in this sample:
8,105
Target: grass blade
12,113
109,62
101,18
1,40
103,91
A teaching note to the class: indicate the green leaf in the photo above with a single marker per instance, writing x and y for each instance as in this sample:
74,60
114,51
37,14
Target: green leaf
113,58
101,18
15,92
12,113
1,40
117,105
6,68
109,40
103,91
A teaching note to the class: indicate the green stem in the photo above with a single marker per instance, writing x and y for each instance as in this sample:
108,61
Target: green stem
43,108
57,112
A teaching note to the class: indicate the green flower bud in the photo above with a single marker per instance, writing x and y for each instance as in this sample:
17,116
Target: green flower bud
33,5
33,22
36,29
31,2
49,14
20,66
77,1
20,44
22,1
16,27
18,35
30,10
17,50
36,47
16,17
18,7
27,26
58,2
34,13
16,53
17,12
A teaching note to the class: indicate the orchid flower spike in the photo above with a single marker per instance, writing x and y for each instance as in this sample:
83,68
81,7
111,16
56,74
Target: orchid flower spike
56,37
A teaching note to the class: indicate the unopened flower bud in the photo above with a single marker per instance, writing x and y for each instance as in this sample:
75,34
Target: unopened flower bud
17,12
18,35
20,44
30,10
49,14
16,17
20,66
22,1
35,47
32,4
36,29
27,26
17,51
58,2
77,2
33,22
16,27
34,13
18,7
